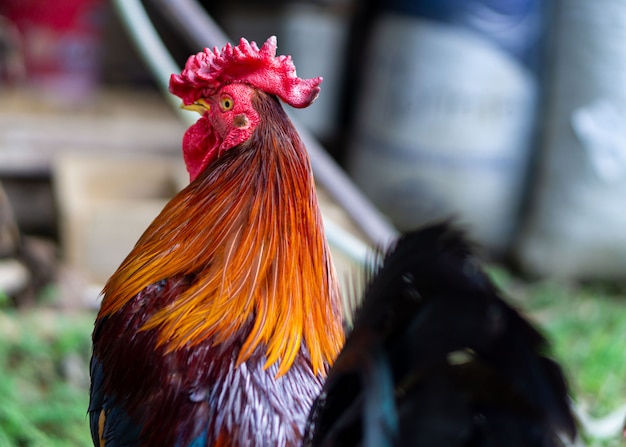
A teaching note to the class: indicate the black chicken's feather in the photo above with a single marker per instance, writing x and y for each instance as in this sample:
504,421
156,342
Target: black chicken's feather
437,357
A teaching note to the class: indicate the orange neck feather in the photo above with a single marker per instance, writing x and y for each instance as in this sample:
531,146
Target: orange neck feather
249,228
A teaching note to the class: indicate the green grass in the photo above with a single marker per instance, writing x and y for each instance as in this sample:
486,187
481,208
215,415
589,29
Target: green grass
44,357
586,326
589,331
44,380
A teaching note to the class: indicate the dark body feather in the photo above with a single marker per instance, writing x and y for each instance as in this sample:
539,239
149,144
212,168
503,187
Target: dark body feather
437,358
147,388
191,394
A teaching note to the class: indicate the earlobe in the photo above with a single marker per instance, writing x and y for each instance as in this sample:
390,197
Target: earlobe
241,121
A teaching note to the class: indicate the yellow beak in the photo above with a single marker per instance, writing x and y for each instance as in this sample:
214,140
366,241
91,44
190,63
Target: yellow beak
200,106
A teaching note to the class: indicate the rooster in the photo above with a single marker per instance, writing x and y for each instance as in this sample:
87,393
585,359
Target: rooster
220,325
437,358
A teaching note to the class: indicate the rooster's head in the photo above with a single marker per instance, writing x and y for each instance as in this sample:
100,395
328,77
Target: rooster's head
221,85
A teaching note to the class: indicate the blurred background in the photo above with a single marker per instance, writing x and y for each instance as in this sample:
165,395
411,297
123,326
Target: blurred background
508,115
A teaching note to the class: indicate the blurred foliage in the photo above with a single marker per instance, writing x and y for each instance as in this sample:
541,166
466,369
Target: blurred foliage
4,299
44,381
589,331
586,326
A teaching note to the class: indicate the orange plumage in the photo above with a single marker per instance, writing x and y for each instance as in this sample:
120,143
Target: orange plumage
234,271
255,239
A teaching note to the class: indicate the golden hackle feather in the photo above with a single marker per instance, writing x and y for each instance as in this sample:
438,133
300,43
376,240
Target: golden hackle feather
250,230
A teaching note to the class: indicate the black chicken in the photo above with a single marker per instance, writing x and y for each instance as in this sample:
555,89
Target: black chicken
437,358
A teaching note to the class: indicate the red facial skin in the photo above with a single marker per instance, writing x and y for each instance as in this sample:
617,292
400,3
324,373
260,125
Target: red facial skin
228,122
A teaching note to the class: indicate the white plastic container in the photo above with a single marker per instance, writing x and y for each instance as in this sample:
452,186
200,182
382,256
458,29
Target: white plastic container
444,127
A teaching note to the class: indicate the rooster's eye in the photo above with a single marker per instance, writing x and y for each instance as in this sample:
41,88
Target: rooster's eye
226,103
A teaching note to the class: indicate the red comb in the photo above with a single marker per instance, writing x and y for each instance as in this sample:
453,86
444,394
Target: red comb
207,71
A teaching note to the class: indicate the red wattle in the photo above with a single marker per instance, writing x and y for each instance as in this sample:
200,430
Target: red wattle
200,147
